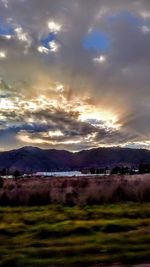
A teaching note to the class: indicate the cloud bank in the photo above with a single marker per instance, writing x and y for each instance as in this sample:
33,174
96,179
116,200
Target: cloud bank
74,74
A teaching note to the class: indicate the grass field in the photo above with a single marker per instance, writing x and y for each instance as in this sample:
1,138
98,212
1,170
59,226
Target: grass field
57,235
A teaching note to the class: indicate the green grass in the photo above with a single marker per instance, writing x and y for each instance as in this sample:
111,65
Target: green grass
58,235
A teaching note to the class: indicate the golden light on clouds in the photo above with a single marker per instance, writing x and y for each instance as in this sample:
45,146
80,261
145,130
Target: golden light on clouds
71,72
48,117
43,139
55,133
26,138
100,118
57,100
7,104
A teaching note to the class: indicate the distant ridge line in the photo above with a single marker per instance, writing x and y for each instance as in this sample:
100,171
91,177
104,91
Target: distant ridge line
27,159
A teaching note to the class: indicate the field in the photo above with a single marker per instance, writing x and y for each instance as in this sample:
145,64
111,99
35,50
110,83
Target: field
58,235
74,222
75,190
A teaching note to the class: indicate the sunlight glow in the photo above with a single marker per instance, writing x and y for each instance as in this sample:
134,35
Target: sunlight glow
83,111
103,119
25,137
6,104
56,102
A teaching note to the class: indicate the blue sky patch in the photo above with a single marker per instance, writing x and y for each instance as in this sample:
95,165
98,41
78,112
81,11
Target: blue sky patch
97,40
6,29
45,41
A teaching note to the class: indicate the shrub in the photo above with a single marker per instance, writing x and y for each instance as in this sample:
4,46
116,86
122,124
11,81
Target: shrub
16,174
73,191
38,198
4,199
1,182
71,198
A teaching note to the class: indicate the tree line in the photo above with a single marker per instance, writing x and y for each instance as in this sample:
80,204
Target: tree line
143,168
122,170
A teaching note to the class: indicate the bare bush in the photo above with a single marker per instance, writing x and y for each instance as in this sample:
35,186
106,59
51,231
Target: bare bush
75,190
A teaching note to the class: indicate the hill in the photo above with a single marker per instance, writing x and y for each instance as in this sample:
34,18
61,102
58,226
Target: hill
34,159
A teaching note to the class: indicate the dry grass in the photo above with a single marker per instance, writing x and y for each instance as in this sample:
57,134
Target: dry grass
75,190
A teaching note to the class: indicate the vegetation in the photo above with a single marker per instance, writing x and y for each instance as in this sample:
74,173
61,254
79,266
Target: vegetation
59,235
142,168
74,190
74,230
16,174
121,170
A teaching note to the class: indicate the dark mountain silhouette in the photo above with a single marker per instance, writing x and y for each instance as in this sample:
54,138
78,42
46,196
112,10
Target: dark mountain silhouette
33,159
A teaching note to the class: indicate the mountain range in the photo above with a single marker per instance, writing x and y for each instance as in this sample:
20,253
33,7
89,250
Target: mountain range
27,159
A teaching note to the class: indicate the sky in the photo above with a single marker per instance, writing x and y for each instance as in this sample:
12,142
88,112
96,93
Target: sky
74,74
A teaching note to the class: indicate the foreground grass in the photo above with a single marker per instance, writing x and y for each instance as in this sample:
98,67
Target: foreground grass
58,235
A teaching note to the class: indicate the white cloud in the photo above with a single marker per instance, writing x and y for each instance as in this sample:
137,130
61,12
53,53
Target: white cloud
54,47
23,37
43,49
59,88
138,144
55,133
54,27
100,59
145,29
8,37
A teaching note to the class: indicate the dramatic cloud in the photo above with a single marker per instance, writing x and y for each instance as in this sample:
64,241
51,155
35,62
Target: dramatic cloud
74,74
